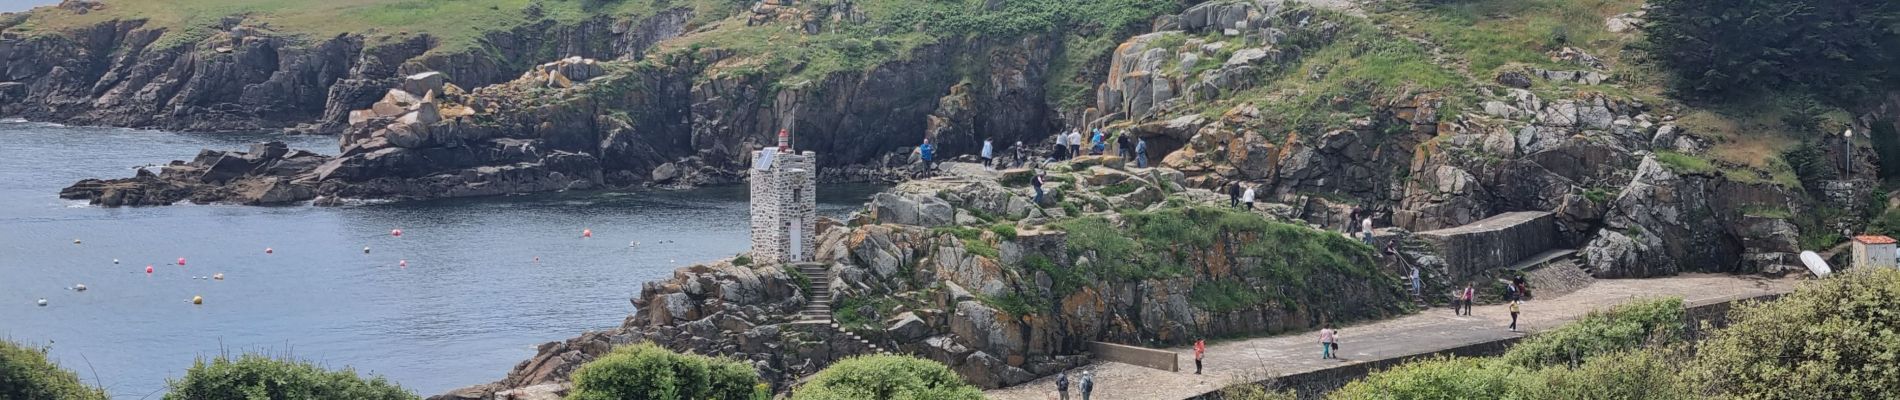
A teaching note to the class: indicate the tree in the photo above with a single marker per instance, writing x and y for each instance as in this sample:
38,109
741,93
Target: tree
887,377
255,376
648,371
25,373
1842,50
1836,338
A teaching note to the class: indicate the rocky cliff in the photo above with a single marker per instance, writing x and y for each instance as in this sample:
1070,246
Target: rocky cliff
969,272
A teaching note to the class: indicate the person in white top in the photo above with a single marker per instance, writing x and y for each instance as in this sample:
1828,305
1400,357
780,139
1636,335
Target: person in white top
1328,341
1247,197
1367,231
1075,144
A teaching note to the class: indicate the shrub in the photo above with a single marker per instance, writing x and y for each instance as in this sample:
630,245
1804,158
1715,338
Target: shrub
1249,391
742,260
1630,374
25,373
1836,338
1436,378
1600,332
256,376
1718,48
647,371
1004,230
886,377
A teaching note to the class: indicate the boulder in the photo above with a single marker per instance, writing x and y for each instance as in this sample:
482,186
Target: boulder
424,84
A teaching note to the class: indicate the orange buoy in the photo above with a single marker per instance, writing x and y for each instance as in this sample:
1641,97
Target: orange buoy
181,261
395,232
268,250
587,233
148,270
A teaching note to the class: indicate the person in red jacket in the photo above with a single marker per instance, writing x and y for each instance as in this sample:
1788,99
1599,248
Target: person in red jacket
1200,349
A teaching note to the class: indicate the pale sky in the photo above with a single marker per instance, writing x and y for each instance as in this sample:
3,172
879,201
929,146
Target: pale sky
23,5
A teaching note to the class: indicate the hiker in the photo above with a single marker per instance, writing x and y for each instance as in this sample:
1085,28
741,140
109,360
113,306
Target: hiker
1141,153
927,152
1200,349
1098,143
1416,285
989,153
1523,289
1088,383
1328,341
1062,385
1367,228
1247,197
1021,155
1514,314
1233,194
1037,183
1075,144
1469,295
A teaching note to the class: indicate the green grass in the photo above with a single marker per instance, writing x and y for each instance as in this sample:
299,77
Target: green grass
1225,296
1494,33
1684,163
1004,230
1015,303
1336,82
458,24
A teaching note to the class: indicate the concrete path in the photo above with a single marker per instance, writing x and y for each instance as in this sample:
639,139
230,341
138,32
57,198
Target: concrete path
1433,330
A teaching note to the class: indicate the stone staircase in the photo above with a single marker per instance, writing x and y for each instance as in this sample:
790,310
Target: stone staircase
818,310
1554,273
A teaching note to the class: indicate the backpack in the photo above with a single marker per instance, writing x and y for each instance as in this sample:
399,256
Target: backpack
1062,382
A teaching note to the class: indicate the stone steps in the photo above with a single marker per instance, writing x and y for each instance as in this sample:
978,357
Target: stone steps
1557,277
819,309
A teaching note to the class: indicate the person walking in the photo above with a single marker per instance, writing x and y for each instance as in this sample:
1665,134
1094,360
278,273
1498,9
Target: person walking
1247,197
1088,384
1514,315
1022,156
1075,144
1200,349
1469,295
989,153
1366,228
1141,153
1328,341
1121,145
1037,183
1062,385
1233,194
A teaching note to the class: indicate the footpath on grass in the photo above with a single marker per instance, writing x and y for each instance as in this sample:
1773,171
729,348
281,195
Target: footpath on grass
1431,331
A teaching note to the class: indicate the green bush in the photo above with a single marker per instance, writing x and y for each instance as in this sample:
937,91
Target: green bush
1843,50
1004,230
1623,375
887,377
1836,338
1436,378
25,373
256,376
742,260
1249,391
1600,332
647,371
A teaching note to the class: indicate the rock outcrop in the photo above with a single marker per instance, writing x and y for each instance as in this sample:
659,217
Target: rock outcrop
920,273
270,173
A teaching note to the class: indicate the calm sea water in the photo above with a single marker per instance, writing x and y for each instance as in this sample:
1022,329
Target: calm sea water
472,301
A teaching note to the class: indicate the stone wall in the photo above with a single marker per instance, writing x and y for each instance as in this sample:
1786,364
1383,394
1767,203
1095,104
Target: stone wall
1152,358
783,202
1492,243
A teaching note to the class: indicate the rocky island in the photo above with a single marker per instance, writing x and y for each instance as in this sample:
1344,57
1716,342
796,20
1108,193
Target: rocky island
1481,150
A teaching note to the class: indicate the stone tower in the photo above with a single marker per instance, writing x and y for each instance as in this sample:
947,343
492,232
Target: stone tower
784,206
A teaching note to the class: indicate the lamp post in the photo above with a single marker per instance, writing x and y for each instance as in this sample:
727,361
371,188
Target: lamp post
1848,141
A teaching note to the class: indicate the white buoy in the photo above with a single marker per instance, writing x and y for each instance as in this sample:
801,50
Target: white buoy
365,249
218,276
402,263
79,287
42,302
268,250
75,241
115,261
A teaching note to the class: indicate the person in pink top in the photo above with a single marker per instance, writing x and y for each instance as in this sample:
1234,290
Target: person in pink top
1328,340
1469,295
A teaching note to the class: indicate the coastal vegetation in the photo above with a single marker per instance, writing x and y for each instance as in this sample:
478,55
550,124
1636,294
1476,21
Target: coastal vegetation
25,373
258,376
1833,338
887,377
646,371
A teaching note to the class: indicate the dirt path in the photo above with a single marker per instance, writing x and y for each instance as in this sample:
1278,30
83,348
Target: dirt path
1432,330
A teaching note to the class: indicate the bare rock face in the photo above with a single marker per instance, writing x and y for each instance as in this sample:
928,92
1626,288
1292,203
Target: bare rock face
270,173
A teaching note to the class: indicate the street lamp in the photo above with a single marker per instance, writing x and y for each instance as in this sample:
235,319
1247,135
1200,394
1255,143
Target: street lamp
1848,140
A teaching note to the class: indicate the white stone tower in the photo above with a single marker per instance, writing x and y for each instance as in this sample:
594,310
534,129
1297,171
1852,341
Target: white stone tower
784,206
